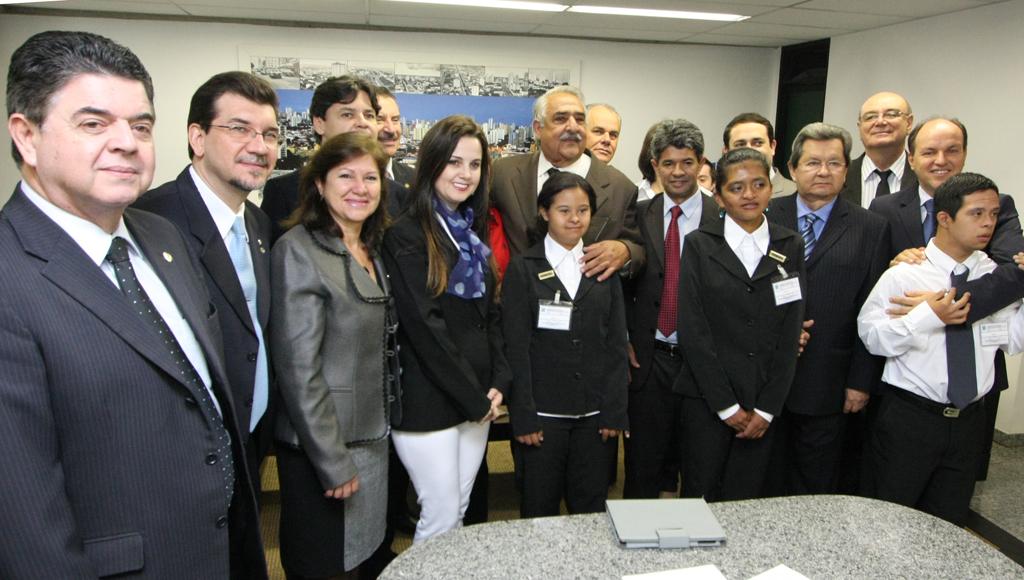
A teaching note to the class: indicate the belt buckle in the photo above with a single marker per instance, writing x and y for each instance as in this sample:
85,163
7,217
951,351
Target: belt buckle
951,412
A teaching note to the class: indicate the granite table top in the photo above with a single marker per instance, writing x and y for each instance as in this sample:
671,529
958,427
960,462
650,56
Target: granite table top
825,536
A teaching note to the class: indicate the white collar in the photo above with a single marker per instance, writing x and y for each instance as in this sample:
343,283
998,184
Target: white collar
922,195
690,205
580,167
90,237
223,216
869,167
556,253
735,235
389,171
945,263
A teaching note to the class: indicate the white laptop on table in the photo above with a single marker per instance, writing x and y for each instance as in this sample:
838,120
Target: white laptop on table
664,523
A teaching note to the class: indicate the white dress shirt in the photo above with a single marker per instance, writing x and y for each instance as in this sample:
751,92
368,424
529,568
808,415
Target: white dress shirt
915,344
688,221
580,167
749,248
565,263
923,196
223,216
644,190
869,180
96,243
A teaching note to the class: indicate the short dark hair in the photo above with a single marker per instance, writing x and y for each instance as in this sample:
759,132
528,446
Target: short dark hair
203,108
343,89
383,91
678,133
554,185
735,157
949,197
912,138
47,61
747,118
313,212
644,162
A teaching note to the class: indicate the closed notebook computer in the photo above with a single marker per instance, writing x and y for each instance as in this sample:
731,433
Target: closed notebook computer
664,523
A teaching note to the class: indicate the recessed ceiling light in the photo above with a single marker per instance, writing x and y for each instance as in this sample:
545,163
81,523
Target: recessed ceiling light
506,4
651,13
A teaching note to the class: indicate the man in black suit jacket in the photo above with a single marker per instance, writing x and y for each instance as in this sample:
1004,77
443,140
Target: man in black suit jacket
938,151
559,123
389,134
345,104
652,449
205,202
123,457
847,250
884,121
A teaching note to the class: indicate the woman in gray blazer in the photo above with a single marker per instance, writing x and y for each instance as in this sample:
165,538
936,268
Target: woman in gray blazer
332,332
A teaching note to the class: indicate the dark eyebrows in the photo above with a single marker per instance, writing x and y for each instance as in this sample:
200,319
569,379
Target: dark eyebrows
147,116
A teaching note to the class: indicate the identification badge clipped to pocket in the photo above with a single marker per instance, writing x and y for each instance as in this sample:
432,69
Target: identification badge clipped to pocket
554,314
995,334
786,287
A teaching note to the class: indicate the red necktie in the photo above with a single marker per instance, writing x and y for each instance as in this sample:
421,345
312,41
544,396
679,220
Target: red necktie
670,287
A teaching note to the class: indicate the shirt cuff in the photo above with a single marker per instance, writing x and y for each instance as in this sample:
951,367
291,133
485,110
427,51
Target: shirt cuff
922,318
729,412
766,416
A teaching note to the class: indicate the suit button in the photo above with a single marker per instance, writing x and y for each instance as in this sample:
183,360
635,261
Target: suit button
211,459
577,376
222,521
750,289
750,322
191,402
251,357
750,355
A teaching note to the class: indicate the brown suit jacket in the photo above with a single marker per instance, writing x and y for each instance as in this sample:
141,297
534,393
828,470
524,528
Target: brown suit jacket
514,193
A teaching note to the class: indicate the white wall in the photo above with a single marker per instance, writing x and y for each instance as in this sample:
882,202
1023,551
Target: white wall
967,64
645,82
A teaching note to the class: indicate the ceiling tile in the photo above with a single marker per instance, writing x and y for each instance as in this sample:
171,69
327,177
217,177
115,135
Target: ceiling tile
733,40
595,33
160,7
828,19
450,24
576,24
278,14
915,8
764,29
342,6
462,13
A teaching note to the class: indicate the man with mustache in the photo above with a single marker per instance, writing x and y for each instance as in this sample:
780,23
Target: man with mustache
884,121
389,134
603,127
232,140
612,243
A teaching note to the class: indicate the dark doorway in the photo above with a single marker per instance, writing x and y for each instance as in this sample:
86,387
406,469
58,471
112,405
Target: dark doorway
802,76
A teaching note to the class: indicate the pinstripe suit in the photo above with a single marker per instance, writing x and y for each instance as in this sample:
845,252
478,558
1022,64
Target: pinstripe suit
107,455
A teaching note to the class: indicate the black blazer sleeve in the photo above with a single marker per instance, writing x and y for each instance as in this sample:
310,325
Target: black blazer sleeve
422,319
866,368
772,396
518,322
613,406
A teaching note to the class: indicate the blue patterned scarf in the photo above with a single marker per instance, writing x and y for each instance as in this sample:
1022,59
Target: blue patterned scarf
467,279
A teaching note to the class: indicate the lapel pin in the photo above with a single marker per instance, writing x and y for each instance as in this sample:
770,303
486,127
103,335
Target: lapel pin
260,243
546,275
780,258
168,257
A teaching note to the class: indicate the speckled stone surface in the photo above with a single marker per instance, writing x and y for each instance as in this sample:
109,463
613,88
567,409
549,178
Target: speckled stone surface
818,536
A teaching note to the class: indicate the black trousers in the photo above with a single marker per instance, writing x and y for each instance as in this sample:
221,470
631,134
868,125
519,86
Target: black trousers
570,464
808,450
718,466
924,460
652,458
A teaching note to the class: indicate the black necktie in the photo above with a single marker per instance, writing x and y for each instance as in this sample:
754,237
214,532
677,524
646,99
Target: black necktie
960,365
143,306
883,184
552,172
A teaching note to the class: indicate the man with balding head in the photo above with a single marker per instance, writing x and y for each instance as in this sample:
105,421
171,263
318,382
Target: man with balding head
884,121
559,124
603,126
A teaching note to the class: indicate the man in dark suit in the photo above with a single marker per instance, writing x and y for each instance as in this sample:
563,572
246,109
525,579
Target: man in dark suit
846,250
938,151
612,243
232,140
123,456
389,125
884,121
345,104
756,132
652,449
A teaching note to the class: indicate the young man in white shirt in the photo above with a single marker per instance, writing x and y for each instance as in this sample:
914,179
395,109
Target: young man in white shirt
927,434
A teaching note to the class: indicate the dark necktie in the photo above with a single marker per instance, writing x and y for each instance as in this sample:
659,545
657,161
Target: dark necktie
883,184
670,286
143,306
960,365
808,233
928,225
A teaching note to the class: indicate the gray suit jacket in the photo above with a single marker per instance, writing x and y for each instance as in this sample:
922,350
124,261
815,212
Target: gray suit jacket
108,458
514,193
853,188
330,322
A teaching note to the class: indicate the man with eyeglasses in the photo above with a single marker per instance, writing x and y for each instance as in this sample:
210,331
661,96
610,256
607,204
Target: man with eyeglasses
232,140
884,121
846,249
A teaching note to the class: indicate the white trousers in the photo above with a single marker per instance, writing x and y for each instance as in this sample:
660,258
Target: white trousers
442,466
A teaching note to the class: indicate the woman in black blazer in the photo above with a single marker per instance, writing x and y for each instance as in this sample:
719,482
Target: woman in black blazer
565,339
453,367
740,310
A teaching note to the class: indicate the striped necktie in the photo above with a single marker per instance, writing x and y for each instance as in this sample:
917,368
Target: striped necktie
808,233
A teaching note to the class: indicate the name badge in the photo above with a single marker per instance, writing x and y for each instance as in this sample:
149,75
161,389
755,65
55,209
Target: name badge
554,316
995,334
786,287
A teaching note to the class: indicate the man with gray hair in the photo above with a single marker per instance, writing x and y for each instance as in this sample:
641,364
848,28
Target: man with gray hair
846,250
603,126
652,449
559,124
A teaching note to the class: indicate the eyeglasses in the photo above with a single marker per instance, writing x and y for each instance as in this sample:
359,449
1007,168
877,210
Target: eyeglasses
814,166
888,115
245,134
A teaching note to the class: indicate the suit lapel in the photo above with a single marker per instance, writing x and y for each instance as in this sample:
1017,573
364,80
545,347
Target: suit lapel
909,212
597,176
723,254
833,231
214,254
655,222
526,189
769,266
261,266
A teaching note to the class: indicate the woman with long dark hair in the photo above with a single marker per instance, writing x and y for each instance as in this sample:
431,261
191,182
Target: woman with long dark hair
453,371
